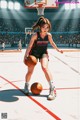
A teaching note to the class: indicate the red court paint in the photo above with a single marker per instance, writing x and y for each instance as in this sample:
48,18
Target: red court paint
39,104
69,88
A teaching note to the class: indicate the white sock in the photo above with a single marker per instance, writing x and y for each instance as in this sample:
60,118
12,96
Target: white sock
51,83
26,83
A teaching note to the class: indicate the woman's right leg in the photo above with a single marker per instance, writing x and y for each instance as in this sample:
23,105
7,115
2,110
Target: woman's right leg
29,73
27,78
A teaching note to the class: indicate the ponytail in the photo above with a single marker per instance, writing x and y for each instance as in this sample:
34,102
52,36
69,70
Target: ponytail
41,21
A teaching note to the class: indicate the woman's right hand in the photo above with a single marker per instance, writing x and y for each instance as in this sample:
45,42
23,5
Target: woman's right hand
25,57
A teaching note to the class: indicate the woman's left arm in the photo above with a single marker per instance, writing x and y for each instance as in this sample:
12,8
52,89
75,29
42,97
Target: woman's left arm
53,44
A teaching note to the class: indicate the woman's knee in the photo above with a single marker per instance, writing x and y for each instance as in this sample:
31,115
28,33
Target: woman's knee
44,68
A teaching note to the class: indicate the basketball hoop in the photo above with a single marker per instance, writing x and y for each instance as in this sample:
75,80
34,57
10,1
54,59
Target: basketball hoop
40,8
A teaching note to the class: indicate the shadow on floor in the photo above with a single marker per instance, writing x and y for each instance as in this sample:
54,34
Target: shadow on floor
11,95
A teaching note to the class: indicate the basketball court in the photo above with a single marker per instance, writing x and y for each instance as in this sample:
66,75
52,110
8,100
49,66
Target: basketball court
15,105
65,68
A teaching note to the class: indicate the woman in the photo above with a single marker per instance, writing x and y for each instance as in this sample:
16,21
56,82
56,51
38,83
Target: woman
38,48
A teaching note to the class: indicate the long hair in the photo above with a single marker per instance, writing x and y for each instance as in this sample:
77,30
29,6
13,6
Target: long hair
40,22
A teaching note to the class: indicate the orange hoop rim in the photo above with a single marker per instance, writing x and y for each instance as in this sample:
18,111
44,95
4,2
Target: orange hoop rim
40,4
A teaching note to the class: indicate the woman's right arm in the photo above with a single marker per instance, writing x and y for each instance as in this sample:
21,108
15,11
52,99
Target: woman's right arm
33,38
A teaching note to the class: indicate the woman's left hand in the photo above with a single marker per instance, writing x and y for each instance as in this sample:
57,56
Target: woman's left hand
61,51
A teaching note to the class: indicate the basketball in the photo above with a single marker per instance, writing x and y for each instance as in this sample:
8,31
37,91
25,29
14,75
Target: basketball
31,60
36,88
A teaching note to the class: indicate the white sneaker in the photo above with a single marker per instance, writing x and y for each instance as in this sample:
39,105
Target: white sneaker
52,94
26,88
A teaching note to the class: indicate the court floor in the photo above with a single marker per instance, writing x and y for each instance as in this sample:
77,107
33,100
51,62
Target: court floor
15,105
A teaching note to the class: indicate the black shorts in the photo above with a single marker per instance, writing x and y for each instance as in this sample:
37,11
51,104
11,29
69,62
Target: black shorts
38,56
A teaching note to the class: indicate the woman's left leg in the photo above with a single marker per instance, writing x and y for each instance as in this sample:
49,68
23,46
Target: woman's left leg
48,75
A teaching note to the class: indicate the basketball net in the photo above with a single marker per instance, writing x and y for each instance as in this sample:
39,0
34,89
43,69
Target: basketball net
40,8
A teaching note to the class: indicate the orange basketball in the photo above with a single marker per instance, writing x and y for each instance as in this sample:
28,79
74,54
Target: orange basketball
36,88
31,60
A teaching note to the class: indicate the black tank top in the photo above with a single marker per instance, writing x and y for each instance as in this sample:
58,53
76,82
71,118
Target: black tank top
40,45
